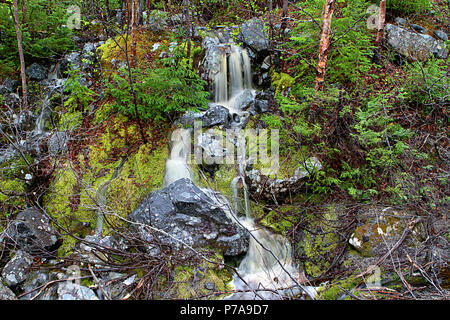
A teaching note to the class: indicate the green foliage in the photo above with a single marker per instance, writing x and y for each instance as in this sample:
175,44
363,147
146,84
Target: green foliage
80,95
349,55
380,135
427,84
44,33
409,6
172,87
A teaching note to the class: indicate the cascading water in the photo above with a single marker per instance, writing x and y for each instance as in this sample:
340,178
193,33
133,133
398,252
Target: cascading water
177,163
267,271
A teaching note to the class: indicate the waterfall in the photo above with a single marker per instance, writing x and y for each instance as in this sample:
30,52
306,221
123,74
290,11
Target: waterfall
268,270
177,163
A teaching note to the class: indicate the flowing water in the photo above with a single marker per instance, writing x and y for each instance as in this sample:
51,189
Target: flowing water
267,271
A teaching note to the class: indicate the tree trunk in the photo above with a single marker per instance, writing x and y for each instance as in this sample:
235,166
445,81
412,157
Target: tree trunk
189,25
24,13
21,58
324,44
108,11
134,22
381,22
284,19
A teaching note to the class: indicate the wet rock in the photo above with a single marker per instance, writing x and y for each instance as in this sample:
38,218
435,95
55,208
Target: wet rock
72,61
31,232
116,285
89,247
36,72
211,145
69,290
254,35
35,280
8,86
211,61
57,143
401,21
243,101
188,119
414,46
209,285
216,115
270,188
441,35
261,106
17,269
88,55
6,293
191,215
418,28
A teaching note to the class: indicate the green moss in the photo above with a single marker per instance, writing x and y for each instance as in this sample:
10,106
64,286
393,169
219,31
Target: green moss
275,220
333,290
189,281
319,242
282,82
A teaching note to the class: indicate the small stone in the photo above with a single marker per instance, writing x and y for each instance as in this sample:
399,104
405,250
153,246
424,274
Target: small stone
209,285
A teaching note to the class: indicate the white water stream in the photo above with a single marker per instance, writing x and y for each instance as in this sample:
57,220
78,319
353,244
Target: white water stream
267,271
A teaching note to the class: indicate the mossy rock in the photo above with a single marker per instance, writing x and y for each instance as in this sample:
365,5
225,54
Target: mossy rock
202,280
336,290
382,229
318,246
105,176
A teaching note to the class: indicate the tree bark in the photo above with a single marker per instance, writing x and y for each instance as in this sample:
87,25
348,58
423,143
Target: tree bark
189,25
21,58
284,19
134,22
382,22
324,44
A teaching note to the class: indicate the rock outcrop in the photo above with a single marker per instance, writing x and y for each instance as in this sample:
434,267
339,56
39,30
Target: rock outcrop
413,45
184,213
31,232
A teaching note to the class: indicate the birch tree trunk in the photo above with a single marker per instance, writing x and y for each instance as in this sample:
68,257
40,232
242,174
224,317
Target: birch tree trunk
324,44
21,58
382,22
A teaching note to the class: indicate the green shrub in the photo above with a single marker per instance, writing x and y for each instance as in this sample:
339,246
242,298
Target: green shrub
160,92
43,35
409,6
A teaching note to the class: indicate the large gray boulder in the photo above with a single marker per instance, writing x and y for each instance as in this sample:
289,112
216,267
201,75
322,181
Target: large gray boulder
190,215
254,35
413,45
31,232
17,269
215,115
